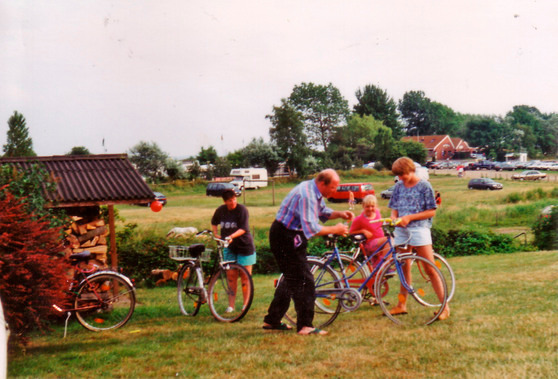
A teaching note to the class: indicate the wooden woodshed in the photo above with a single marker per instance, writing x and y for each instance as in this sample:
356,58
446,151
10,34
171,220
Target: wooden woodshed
85,182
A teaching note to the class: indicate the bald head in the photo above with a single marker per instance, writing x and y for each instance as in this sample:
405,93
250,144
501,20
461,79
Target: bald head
327,181
327,175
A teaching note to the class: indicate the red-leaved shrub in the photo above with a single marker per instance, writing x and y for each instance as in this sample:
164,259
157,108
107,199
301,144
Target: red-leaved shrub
33,272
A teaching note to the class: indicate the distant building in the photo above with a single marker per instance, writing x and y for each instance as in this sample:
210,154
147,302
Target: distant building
442,147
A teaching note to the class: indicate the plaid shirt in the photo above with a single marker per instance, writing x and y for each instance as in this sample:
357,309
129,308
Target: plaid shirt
303,209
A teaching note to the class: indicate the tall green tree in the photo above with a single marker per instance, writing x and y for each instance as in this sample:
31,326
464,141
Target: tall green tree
79,150
222,167
374,101
19,143
356,139
426,117
287,133
260,154
323,109
492,135
540,126
150,160
206,156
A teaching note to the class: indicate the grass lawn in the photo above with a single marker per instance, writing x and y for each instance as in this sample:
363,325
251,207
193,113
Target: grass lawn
503,325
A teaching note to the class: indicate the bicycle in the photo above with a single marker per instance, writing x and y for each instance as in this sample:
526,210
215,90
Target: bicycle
219,289
102,299
334,291
353,262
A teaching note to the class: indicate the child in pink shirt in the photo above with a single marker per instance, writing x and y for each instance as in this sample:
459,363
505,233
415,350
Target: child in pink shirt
373,231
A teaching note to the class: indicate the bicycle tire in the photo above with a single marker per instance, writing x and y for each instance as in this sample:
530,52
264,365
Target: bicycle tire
189,292
104,301
223,301
447,272
423,304
326,308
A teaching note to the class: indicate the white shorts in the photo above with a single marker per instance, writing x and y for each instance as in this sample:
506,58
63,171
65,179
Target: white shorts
412,236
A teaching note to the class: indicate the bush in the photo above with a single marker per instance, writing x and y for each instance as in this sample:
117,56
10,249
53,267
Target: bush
464,242
138,256
545,230
33,272
513,198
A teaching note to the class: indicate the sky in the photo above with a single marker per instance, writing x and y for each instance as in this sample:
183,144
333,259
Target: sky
187,74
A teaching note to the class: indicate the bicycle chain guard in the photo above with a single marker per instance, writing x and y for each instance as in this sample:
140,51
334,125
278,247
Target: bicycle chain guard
350,299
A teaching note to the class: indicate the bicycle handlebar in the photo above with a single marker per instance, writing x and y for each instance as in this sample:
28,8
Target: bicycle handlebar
223,242
387,221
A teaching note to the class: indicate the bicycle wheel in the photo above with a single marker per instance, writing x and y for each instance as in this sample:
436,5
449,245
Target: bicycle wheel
231,291
447,271
326,305
423,305
190,289
104,301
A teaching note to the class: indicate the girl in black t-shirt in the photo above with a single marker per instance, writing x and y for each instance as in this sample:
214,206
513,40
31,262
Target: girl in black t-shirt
232,219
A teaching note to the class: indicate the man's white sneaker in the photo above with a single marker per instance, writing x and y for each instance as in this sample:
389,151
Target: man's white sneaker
229,310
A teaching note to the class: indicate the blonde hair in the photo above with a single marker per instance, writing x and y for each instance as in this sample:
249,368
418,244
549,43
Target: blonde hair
369,199
402,166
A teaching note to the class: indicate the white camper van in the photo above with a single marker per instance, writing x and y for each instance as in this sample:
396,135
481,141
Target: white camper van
249,177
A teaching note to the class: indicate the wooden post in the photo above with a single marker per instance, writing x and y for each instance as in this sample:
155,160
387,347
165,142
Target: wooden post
112,231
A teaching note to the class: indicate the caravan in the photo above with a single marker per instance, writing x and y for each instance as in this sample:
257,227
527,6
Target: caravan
245,178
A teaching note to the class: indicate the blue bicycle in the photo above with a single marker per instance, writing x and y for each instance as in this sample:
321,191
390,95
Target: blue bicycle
334,292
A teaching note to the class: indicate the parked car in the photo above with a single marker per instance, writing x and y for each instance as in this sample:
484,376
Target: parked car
484,184
529,175
481,165
360,190
504,166
158,197
432,165
387,193
217,189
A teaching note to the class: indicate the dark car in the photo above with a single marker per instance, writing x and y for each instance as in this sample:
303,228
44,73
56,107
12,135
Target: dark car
484,184
387,193
481,165
158,197
217,189
505,166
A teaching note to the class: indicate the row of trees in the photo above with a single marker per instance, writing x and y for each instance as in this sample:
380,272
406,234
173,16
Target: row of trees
315,121
314,128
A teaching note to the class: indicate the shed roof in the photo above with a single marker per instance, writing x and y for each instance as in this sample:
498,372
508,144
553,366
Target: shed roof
84,180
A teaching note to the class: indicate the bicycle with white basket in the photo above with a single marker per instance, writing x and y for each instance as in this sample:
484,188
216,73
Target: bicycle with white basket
219,289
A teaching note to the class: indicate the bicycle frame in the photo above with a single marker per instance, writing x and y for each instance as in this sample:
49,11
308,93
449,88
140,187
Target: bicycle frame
392,254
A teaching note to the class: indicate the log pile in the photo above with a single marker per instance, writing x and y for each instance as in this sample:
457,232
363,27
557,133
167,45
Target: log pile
88,232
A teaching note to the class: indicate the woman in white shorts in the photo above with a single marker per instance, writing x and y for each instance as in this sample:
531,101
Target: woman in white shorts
413,202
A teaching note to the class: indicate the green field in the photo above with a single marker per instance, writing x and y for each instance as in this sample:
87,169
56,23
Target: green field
461,208
503,322
503,325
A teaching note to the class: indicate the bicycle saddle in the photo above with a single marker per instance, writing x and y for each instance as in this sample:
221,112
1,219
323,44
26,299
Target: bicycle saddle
83,256
196,249
358,238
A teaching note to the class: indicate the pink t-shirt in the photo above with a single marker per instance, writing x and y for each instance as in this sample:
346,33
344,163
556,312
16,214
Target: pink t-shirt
362,222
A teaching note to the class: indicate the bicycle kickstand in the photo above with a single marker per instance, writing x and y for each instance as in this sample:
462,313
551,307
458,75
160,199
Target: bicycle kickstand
66,324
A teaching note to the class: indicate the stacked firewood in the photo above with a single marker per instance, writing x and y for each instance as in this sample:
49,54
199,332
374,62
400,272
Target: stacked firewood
88,232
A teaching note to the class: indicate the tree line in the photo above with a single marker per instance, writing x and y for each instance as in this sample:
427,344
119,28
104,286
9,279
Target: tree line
314,128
